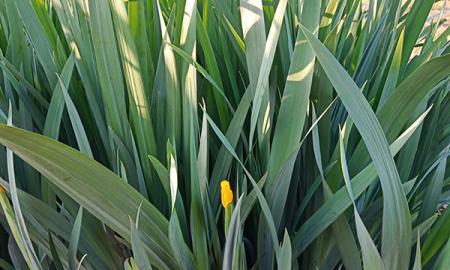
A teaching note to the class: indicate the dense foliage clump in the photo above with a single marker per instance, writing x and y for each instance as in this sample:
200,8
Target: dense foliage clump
184,134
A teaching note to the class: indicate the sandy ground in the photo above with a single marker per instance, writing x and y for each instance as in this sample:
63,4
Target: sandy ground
436,13
440,10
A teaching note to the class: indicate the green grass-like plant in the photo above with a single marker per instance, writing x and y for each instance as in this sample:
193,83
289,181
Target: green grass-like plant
241,134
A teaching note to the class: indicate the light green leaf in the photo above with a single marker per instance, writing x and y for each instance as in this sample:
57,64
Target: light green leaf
139,254
232,242
340,201
77,124
417,260
140,118
285,253
22,238
91,185
74,238
371,257
56,108
178,244
396,230
444,258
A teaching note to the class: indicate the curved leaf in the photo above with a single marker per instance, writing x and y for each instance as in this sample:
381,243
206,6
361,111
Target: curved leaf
94,187
396,230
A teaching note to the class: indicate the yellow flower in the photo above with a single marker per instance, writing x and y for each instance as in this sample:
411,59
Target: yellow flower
2,190
226,193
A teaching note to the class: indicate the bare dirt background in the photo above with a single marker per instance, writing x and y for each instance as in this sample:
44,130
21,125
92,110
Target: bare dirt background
436,12
440,7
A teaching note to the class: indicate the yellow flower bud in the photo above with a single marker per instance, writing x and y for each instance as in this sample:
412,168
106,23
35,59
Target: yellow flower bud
226,193
2,190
